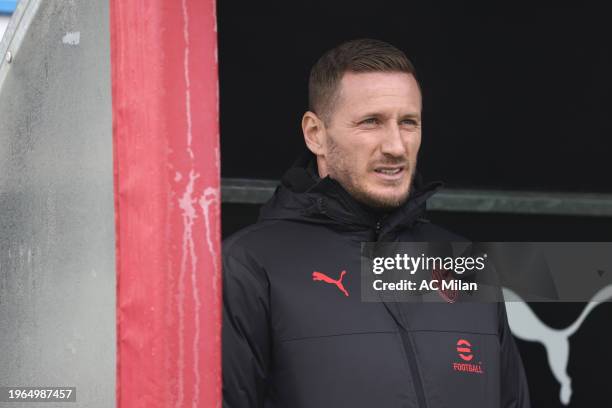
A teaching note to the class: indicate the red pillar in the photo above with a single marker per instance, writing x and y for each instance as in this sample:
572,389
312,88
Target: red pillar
167,201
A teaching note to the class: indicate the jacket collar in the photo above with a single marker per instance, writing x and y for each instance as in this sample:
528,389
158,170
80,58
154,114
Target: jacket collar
303,196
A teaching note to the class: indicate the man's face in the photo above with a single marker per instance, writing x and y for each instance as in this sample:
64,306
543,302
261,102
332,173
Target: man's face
372,137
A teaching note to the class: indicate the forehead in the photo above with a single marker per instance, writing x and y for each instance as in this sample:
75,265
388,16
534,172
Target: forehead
397,91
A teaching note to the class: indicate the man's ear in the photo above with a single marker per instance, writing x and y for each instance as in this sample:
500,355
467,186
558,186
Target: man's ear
314,133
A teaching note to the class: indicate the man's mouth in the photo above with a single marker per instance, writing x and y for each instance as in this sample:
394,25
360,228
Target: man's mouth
390,173
389,170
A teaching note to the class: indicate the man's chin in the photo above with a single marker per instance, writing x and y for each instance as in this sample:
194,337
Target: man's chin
385,202
376,196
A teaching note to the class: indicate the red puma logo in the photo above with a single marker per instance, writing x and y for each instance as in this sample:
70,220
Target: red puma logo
318,276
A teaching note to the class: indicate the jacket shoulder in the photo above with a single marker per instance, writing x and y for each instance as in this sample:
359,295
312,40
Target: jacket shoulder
249,238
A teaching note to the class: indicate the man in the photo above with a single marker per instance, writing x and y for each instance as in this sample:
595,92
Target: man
295,331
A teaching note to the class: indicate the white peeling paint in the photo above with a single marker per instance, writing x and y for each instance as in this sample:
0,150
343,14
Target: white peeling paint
189,215
72,38
210,197
186,76
189,224
196,334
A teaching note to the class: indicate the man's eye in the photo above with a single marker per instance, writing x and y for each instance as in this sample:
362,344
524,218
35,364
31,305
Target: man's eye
409,122
369,121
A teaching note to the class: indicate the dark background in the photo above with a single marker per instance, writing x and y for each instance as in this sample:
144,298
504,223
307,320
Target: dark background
516,99
511,99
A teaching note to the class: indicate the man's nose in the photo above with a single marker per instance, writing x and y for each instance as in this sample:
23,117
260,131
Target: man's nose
393,143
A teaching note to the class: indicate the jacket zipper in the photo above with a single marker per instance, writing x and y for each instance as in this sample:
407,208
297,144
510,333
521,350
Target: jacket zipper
417,383
377,230
414,370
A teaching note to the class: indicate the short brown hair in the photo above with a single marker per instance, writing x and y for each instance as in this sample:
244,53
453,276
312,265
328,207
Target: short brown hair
363,55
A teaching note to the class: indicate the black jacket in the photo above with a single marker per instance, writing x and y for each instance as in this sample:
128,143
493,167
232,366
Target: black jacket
289,341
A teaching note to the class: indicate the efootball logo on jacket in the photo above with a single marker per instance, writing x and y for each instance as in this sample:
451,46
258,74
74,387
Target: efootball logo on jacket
465,352
320,276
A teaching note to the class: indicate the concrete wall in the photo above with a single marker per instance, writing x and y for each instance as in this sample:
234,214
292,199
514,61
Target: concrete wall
57,266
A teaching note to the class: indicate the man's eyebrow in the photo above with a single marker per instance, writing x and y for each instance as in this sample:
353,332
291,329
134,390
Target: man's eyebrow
412,115
370,114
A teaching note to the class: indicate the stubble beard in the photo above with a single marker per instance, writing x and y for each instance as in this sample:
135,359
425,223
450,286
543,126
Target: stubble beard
340,170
